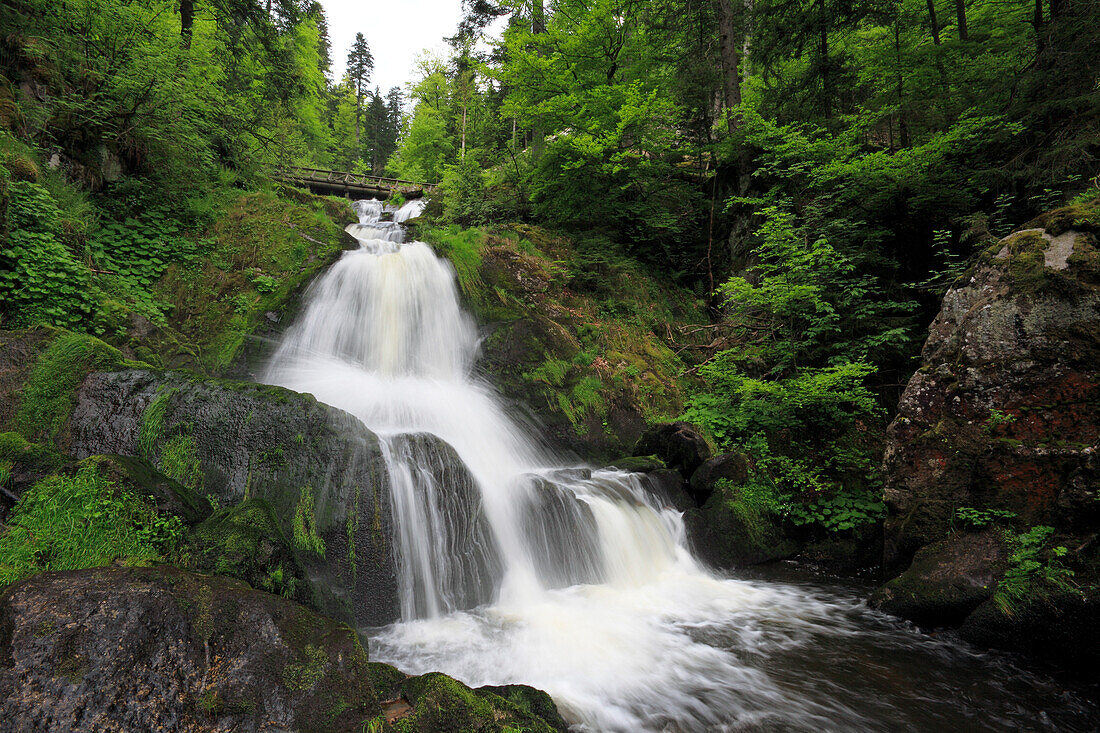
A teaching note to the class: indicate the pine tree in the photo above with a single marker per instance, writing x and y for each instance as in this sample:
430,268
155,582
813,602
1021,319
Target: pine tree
360,68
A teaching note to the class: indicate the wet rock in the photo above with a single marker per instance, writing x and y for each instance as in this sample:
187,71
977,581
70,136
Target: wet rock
1062,628
319,469
1002,414
671,487
246,542
434,702
729,532
163,649
947,580
678,444
730,467
639,464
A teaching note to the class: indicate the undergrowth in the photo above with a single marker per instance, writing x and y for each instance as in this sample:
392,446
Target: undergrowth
83,521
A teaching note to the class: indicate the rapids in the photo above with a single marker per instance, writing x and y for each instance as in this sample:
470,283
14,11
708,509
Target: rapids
579,581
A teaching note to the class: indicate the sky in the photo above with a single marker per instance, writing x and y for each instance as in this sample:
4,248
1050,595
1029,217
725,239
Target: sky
397,31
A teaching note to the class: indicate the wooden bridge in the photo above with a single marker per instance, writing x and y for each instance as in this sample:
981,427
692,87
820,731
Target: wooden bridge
351,184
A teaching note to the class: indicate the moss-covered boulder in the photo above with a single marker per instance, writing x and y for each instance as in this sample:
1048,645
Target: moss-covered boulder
23,464
732,530
1003,421
947,580
138,477
730,467
247,542
436,703
319,469
163,649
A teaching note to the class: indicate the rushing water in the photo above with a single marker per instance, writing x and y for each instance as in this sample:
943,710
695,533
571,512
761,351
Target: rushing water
516,568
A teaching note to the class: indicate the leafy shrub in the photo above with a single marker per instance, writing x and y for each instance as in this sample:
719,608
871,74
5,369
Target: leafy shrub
82,521
981,518
1035,571
40,280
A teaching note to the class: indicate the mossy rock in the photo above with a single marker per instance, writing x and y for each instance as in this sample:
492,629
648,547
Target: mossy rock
947,579
26,464
21,168
729,531
247,543
436,703
319,469
45,389
639,464
161,648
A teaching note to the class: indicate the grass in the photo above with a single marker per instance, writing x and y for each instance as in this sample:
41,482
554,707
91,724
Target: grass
82,521
48,396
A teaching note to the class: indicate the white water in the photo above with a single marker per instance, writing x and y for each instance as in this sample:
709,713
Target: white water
514,568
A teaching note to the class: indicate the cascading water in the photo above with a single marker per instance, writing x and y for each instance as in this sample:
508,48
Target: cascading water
513,568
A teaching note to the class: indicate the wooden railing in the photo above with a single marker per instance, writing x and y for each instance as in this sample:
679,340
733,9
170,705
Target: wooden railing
342,181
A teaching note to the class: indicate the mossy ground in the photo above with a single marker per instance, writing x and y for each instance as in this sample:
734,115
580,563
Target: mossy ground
583,335
265,248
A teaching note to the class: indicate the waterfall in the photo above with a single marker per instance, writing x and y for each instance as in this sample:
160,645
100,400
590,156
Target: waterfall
516,567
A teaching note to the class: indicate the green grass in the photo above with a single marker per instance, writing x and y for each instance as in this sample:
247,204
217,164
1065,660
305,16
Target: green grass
48,396
82,521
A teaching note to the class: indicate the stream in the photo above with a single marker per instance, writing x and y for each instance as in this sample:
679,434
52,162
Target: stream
515,566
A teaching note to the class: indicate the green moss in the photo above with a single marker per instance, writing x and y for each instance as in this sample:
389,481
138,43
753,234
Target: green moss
179,460
48,396
152,423
305,524
307,671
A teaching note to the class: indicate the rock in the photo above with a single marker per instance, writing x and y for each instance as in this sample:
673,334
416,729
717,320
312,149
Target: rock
729,532
319,469
138,477
434,702
246,542
670,486
1002,414
731,467
639,464
947,580
164,649
1062,629
678,444
29,463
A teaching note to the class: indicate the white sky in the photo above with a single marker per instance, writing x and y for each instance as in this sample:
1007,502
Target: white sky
396,30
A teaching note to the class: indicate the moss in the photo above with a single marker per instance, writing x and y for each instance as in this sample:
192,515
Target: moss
307,671
305,524
1081,216
48,396
246,542
179,460
152,423
21,167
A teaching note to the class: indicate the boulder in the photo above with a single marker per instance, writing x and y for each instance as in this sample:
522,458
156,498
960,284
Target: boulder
678,444
730,532
142,649
164,649
731,467
320,470
947,580
1002,413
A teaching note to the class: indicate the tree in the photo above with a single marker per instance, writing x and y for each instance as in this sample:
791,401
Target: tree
360,68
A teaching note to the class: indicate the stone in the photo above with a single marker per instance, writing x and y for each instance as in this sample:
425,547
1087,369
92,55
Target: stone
947,580
165,649
1002,413
730,467
678,444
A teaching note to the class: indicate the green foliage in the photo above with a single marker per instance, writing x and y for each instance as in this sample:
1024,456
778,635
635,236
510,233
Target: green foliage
981,518
40,280
81,521
47,398
1035,571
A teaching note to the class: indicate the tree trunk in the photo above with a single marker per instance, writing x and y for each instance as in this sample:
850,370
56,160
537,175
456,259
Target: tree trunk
731,83
1040,40
538,25
823,60
960,15
463,156
935,23
187,22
